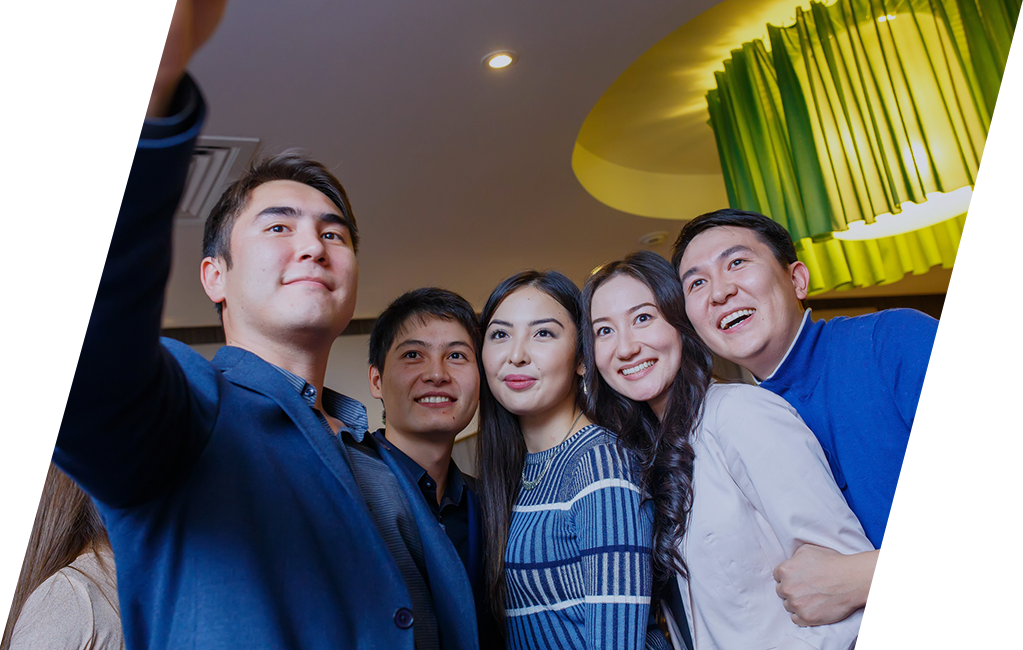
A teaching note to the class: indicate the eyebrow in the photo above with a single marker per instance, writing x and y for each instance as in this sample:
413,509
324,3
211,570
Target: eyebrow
631,310
288,211
728,252
408,343
533,323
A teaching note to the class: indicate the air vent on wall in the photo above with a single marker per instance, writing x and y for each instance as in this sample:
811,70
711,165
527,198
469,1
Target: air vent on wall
216,162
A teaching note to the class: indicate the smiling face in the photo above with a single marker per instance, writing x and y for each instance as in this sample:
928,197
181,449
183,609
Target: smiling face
430,383
743,303
637,351
293,271
529,355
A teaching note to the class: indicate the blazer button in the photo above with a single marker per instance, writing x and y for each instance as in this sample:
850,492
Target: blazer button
403,618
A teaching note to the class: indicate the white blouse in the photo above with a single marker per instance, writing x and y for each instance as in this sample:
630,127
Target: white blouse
761,488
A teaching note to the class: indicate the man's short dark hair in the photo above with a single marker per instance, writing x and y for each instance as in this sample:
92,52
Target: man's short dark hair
768,231
285,166
421,305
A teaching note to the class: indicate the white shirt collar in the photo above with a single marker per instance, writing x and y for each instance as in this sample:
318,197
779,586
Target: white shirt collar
802,324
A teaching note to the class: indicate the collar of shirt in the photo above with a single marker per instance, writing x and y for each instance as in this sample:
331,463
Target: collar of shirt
351,412
802,325
455,491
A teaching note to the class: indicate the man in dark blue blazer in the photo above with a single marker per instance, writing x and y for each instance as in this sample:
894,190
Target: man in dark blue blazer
422,366
244,506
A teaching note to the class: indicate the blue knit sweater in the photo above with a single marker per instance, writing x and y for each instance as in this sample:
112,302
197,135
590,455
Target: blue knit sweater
856,383
578,563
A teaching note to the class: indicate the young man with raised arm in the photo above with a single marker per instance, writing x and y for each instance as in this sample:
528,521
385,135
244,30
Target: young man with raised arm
854,381
244,506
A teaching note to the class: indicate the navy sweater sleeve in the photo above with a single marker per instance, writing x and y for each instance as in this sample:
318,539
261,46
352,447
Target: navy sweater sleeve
132,422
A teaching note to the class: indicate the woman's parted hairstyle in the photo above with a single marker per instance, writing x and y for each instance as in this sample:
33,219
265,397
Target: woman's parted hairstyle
500,447
662,448
66,525
285,166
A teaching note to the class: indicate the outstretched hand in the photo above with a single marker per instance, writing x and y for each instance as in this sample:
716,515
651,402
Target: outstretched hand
819,586
194,21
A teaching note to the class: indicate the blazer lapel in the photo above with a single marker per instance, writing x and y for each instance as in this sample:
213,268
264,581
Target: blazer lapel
249,371
452,594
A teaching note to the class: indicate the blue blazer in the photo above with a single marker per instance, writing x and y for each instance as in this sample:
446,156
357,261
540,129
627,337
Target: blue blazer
234,517
490,634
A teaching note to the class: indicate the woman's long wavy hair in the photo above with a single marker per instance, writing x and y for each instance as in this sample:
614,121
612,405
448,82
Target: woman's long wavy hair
66,526
500,447
662,448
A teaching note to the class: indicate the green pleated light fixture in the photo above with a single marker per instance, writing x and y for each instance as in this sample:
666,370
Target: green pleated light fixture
861,130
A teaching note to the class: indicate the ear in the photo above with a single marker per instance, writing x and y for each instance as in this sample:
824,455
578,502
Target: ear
375,379
800,279
212,276
580,370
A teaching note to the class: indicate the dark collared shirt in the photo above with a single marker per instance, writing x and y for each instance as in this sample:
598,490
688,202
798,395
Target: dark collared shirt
453,510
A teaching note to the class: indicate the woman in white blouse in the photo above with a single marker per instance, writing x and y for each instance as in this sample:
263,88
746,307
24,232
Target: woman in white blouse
738,481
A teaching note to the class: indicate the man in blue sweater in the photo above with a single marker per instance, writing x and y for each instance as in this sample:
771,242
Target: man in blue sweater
854,381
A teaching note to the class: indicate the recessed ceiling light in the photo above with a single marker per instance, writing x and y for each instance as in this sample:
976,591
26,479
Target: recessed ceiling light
654,238
501,59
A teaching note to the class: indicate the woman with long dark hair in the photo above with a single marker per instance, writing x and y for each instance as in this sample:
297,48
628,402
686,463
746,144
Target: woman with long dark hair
738,480
568,539
66,597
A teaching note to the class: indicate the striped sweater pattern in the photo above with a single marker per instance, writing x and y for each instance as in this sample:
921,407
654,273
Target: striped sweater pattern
578,560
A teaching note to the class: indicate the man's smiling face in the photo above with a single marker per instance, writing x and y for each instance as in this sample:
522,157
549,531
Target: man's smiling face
293,270
742,301
430,382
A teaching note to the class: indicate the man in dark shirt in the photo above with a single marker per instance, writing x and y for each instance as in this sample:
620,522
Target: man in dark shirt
422,366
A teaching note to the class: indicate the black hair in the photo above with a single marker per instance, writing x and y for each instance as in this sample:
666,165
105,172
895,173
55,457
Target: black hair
285,166
661,447
420,305
768,231
500,447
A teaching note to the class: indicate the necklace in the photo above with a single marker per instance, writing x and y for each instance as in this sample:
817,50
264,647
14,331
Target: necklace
529,485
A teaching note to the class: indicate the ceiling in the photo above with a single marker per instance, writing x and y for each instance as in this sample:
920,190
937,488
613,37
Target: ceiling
459,176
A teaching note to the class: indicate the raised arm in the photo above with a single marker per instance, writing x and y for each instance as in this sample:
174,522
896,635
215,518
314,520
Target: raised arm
130,414
614,534
193,22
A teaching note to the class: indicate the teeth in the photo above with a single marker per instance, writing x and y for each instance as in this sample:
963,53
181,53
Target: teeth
433,400
633,370
734,317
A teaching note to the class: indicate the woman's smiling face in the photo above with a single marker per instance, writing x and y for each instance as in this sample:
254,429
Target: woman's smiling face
529,353
636,351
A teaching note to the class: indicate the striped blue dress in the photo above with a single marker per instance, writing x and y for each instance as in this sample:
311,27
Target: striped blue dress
578,561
